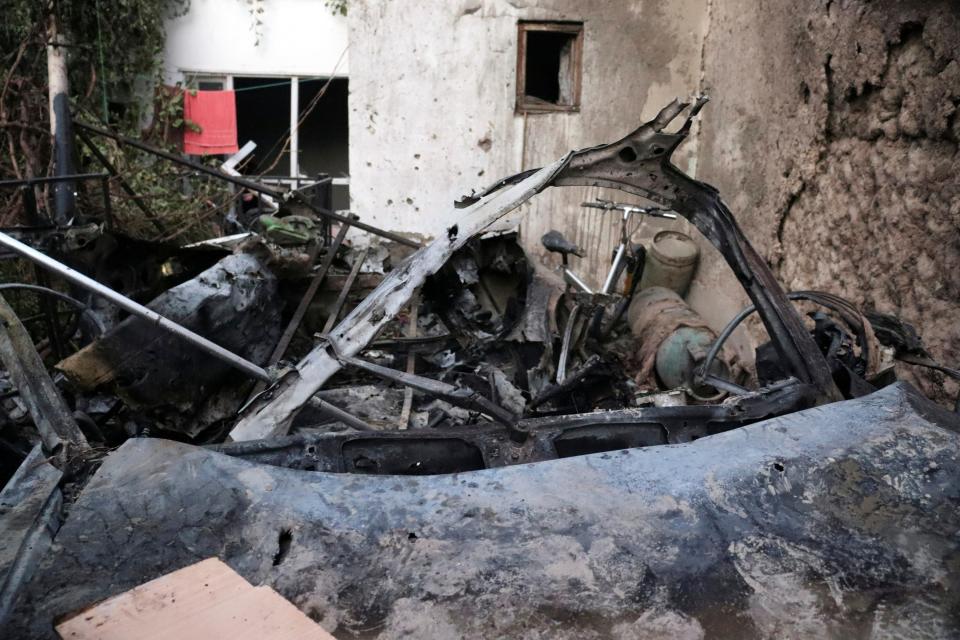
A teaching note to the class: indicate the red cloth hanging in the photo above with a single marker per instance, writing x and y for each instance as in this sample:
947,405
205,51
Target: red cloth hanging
215,112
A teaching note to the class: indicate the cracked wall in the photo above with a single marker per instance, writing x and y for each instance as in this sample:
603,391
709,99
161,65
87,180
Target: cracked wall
833,135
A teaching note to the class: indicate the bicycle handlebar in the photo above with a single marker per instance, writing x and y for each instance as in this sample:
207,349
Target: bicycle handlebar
598,205
607,205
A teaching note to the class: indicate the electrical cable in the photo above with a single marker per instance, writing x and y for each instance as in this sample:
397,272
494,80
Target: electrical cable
813,296
281,84
285,138
84,308
833,302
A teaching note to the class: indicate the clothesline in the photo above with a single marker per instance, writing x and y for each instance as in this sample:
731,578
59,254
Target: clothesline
278,84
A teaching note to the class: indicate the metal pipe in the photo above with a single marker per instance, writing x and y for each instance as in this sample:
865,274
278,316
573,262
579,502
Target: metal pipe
335,412
342,297
621,250
614,269
566,345
294,128
54,179
186,162
134,308
308,296
575,281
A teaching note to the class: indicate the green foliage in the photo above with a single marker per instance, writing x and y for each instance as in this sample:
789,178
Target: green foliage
114,59
128,33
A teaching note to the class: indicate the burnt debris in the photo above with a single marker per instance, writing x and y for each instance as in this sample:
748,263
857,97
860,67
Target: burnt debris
232,388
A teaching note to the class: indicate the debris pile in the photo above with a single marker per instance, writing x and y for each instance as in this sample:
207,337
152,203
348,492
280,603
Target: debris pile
302,343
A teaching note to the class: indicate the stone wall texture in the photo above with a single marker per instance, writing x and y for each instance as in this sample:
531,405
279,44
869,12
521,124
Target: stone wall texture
833,135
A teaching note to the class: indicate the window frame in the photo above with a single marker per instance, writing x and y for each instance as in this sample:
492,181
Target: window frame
192,80
524,103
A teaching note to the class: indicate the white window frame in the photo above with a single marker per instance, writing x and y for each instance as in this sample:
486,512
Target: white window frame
193,78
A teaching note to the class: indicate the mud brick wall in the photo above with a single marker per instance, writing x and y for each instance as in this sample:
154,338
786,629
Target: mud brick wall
833,135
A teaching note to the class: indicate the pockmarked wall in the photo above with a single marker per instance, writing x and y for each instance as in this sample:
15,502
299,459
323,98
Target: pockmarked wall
432,107
833,135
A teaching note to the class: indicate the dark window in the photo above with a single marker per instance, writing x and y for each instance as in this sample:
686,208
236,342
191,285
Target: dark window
548,66
263,115
324,137
210,85
205,83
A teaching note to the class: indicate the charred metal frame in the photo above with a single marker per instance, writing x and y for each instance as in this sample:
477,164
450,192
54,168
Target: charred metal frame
334,312
26,188
457,396
273,412
455,450
638,164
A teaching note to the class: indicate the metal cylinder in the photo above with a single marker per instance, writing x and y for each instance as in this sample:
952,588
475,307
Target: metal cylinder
673,343
671,261
681,354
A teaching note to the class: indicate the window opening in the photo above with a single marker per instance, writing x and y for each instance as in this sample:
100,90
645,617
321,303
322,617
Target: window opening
549,66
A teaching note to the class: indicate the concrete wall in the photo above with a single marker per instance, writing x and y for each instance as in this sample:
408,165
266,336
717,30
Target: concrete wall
297,38
432,97
833,135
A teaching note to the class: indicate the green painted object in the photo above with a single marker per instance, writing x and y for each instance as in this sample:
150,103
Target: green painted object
680,354
289,230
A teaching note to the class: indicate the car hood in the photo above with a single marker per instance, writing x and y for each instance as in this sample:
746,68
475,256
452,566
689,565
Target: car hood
840,520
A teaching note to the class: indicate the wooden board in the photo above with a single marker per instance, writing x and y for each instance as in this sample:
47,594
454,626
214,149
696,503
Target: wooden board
203,601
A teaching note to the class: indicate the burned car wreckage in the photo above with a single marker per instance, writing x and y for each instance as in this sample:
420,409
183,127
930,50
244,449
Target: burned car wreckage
379,483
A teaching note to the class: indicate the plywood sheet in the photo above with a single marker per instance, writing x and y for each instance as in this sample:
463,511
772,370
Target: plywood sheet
205,600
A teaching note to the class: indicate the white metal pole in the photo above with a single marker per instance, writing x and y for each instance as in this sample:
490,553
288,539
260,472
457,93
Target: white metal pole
135,308
294,133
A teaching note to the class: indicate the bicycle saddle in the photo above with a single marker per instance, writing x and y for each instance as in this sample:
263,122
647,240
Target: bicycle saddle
555,242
